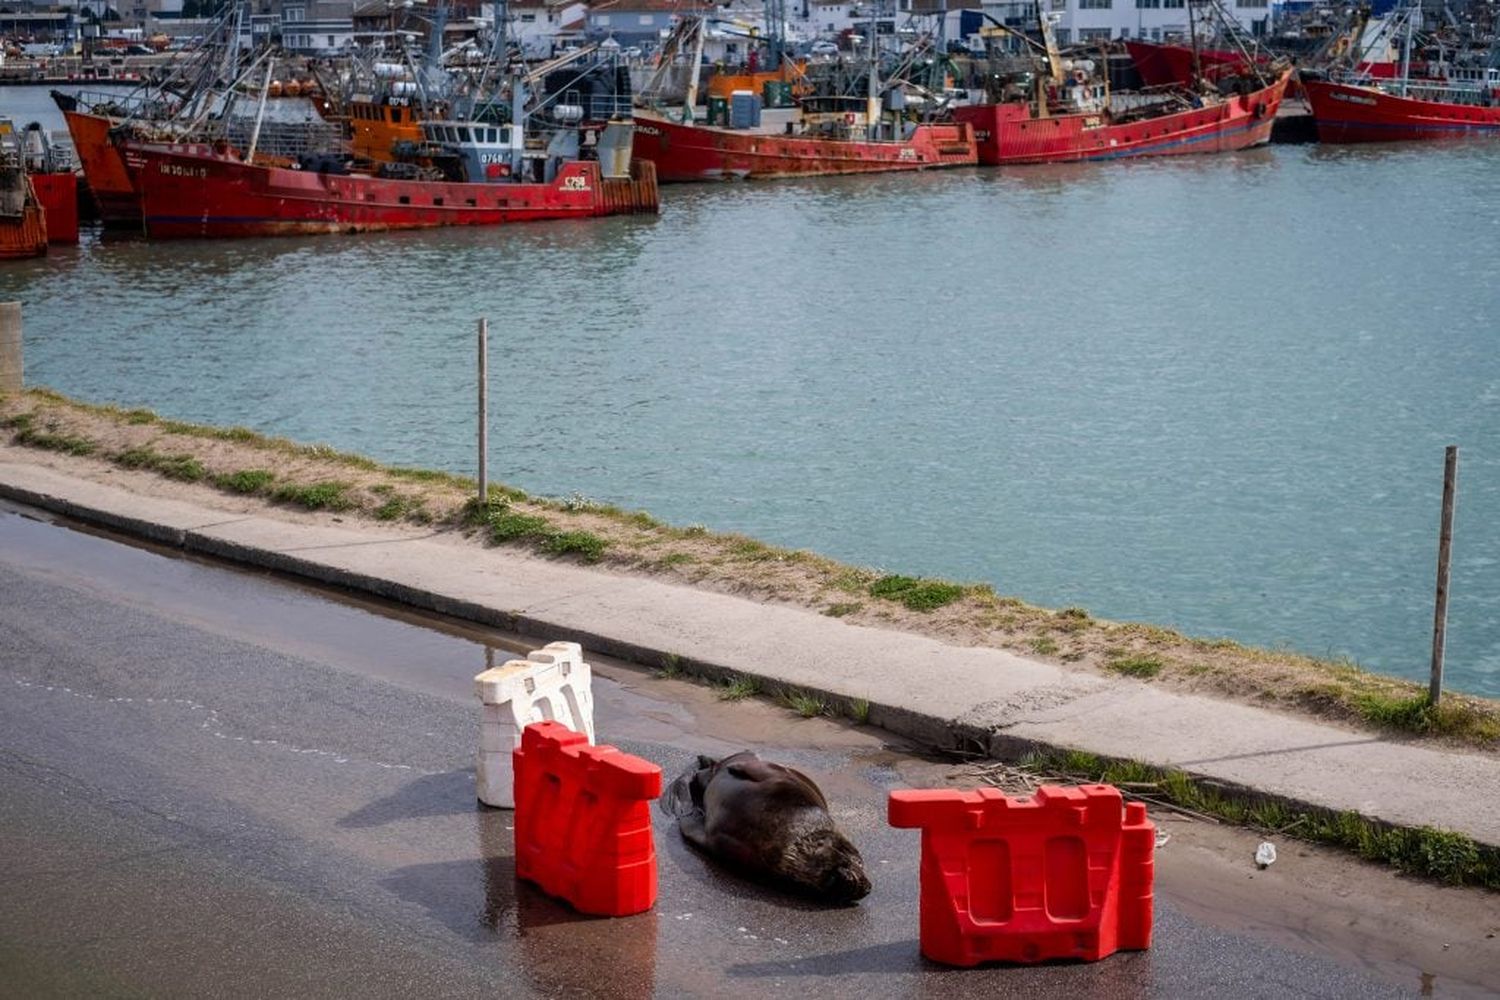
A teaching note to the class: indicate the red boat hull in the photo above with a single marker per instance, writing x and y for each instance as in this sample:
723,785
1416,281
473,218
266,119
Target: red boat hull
104,169
1345,113
1008,134
703,153
58,194
25,234
188,191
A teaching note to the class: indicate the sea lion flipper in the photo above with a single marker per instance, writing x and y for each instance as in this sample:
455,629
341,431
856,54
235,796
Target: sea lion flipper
810,786
790,784
693,830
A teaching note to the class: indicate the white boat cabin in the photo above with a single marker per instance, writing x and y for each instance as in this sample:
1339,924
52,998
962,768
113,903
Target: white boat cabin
490,153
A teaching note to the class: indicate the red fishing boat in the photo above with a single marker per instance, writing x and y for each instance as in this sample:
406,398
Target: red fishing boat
1053,109
466,174
1406,109
833,144
90,118
773,124
54,180
1083,125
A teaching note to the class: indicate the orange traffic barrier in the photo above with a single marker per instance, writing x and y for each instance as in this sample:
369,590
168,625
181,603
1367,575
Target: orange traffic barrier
583,821
1066,873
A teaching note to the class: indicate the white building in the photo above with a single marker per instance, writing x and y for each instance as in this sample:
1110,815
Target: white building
1086,20
541,27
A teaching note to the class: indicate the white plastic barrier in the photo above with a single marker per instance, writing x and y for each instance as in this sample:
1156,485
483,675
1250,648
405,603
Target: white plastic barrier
551,684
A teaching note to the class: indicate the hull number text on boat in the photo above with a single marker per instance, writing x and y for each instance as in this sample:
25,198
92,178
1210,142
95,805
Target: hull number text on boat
647,130
1093,121
178,170
1353,99
908,153
575,183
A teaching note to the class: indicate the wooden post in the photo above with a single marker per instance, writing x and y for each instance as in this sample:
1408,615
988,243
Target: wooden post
11,368
484,414
1445,552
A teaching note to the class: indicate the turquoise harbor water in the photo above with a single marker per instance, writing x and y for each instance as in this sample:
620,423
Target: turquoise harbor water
1211,393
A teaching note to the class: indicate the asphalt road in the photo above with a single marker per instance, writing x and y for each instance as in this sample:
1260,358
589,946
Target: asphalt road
221,784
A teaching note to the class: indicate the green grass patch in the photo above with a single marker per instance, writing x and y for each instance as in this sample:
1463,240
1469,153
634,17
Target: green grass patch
67,444
671,666
508,526
858,709
915,592
804,704
139,416
585,544
326,495
738,687
1044,645
841,609
248,481
1142,667
397,507
185,468
676,559
1415,714
749,550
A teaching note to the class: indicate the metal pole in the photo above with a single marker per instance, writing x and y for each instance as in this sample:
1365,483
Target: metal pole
260,112
11,368
484,413
1445,552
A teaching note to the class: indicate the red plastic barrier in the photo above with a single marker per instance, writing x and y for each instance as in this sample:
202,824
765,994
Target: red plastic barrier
583,821
1066,873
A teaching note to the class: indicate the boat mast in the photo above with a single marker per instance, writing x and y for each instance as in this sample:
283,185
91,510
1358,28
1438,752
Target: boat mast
1054,62
260,112
1193,40
776,23
694,74
1406,50
872,89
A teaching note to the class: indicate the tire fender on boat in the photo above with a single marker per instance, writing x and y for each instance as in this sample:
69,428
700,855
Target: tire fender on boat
1260,109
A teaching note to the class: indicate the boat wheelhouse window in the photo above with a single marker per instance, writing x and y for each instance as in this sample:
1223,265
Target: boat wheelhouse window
505,135
492,135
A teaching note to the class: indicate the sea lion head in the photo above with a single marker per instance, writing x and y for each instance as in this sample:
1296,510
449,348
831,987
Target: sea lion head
826,865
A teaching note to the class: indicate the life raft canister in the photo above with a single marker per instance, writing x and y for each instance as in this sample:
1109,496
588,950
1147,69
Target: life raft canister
1080,77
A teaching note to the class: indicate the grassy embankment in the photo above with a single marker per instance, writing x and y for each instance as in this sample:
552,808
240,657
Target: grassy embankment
317,478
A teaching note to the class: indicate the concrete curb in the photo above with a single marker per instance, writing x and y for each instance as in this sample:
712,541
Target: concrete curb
977,737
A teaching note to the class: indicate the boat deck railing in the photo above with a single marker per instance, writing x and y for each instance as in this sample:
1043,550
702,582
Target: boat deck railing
1444,94
604,106
290,139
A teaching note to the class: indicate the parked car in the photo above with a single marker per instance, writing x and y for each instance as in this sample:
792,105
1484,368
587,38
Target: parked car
823,48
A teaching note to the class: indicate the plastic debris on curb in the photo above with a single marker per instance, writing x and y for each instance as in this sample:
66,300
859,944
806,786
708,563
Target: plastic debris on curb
1265,854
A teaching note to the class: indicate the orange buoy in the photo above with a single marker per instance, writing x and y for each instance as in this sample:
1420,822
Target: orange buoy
293,88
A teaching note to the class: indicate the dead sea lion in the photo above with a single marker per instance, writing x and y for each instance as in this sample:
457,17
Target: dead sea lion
769,822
